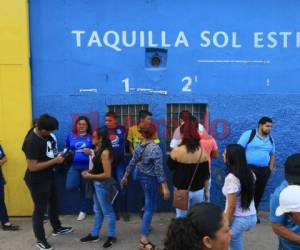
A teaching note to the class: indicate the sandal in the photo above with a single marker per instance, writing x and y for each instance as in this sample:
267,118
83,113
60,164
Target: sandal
147,246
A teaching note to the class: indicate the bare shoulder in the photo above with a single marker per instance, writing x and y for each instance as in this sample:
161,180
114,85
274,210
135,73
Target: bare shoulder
176,152
204,156
105,154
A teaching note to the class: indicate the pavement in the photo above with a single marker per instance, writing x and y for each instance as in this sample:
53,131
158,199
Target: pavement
261,238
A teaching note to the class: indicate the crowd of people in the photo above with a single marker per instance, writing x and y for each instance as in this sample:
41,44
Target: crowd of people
97,167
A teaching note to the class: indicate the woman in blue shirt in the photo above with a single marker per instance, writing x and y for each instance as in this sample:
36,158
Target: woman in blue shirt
79,141
147,158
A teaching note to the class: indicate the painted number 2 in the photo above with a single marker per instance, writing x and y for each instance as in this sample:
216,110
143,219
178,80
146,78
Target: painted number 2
187,80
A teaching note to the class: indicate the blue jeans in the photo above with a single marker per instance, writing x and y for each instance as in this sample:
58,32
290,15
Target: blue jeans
121,203
239,225
286,245
3,212
149,185
194,198
74,181
103,207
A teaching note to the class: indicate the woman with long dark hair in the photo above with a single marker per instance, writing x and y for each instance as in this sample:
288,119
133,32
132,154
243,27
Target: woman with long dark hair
101,175
188,159
239,189
80,142
205,227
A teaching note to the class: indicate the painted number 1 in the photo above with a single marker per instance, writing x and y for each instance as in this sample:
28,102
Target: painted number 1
188,80
126,84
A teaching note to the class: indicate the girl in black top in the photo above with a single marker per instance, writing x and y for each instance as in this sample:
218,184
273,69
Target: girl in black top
101,176
184,160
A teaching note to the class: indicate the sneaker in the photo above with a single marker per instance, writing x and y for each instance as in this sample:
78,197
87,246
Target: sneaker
10,227
81,216
89,238
62,230
43,244
109,241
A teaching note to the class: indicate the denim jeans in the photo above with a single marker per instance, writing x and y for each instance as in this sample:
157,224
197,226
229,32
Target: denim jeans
239,225
103,208
149,186
285,245
3,212
121,203
74,181
194,198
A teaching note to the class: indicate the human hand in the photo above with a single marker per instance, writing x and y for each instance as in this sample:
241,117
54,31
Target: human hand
85,174
165,191
87,151
59,159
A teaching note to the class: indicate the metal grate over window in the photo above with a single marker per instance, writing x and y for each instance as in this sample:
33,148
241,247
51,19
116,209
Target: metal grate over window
173,111
128,114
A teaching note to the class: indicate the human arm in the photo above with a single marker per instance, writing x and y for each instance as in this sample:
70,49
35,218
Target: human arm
215,152
285,233
231,204
130,166
272,157
33,152
206,190
272,162
35,165
231,188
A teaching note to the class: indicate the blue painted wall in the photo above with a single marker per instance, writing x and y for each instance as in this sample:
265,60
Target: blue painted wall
242,58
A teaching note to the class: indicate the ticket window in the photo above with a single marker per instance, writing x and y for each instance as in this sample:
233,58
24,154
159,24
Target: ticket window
128,114
198,110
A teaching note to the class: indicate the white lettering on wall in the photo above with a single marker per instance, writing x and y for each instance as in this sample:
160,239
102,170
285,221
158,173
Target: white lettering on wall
94,39
181,38
119,40
258,39
78,34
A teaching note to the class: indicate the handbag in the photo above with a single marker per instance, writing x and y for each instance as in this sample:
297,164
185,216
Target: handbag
181,196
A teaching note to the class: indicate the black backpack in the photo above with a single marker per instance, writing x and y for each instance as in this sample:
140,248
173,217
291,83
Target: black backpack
252,135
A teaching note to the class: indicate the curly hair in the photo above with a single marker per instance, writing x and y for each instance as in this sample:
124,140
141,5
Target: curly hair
203,219
181,235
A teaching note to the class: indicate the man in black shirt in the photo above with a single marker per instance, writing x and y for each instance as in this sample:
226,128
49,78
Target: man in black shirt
39,178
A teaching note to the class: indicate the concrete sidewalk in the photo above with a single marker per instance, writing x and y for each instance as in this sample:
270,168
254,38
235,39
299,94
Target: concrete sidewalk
261,238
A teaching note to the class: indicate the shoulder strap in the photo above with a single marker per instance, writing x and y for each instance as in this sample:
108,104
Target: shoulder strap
142,152
271,139
191,182
251,137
